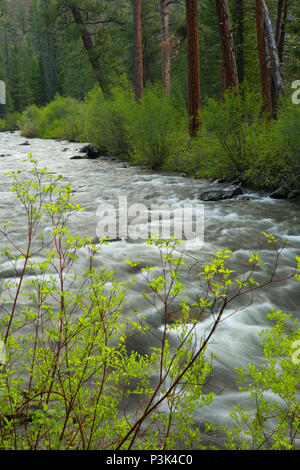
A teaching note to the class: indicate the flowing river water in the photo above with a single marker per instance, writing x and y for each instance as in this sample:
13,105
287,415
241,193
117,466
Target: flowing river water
236,225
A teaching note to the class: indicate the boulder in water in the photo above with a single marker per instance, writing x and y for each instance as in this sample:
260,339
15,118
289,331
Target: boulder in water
294,193
79,157
219,195
96,240
91,150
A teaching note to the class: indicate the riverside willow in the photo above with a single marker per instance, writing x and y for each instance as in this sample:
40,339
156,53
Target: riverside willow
69,376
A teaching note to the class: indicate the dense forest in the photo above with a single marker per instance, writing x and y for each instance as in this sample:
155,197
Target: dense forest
116,343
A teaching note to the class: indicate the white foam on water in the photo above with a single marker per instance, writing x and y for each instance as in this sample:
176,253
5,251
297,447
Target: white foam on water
235,225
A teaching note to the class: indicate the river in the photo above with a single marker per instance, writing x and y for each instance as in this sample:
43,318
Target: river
236,225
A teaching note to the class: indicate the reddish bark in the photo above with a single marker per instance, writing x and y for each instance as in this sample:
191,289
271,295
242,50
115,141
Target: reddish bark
193,65
165,45
229,73
239,14
138,50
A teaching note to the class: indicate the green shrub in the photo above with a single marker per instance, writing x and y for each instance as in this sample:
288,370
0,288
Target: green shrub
231,126
106,120
147,132
60,119
155,127
11,122
235,139
288,128
198,156
30,122
266,159
274,424
273,158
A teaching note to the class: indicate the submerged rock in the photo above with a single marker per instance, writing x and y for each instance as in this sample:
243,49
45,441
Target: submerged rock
280,193
229,179
294,193
96,240
285,192
218,195
79,157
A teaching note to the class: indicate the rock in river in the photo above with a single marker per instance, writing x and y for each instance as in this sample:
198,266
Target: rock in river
218,195
91,151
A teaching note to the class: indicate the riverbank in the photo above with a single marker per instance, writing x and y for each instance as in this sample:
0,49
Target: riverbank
233,224
234,142
236,184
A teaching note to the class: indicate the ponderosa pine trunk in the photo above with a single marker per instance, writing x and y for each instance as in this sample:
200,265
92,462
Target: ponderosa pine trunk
89,46
138,50
193,65
239,17
229,74
165,46
281,26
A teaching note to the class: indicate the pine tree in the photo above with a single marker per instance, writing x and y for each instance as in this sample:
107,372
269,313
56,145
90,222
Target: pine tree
229,72
193,65
138,50
165,45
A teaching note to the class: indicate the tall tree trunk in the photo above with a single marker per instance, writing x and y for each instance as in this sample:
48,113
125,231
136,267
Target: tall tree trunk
193,65
223,75
280,27
6,52
239,16
274,58
279,40
89,46
264,72
138,50
165,45
229,73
